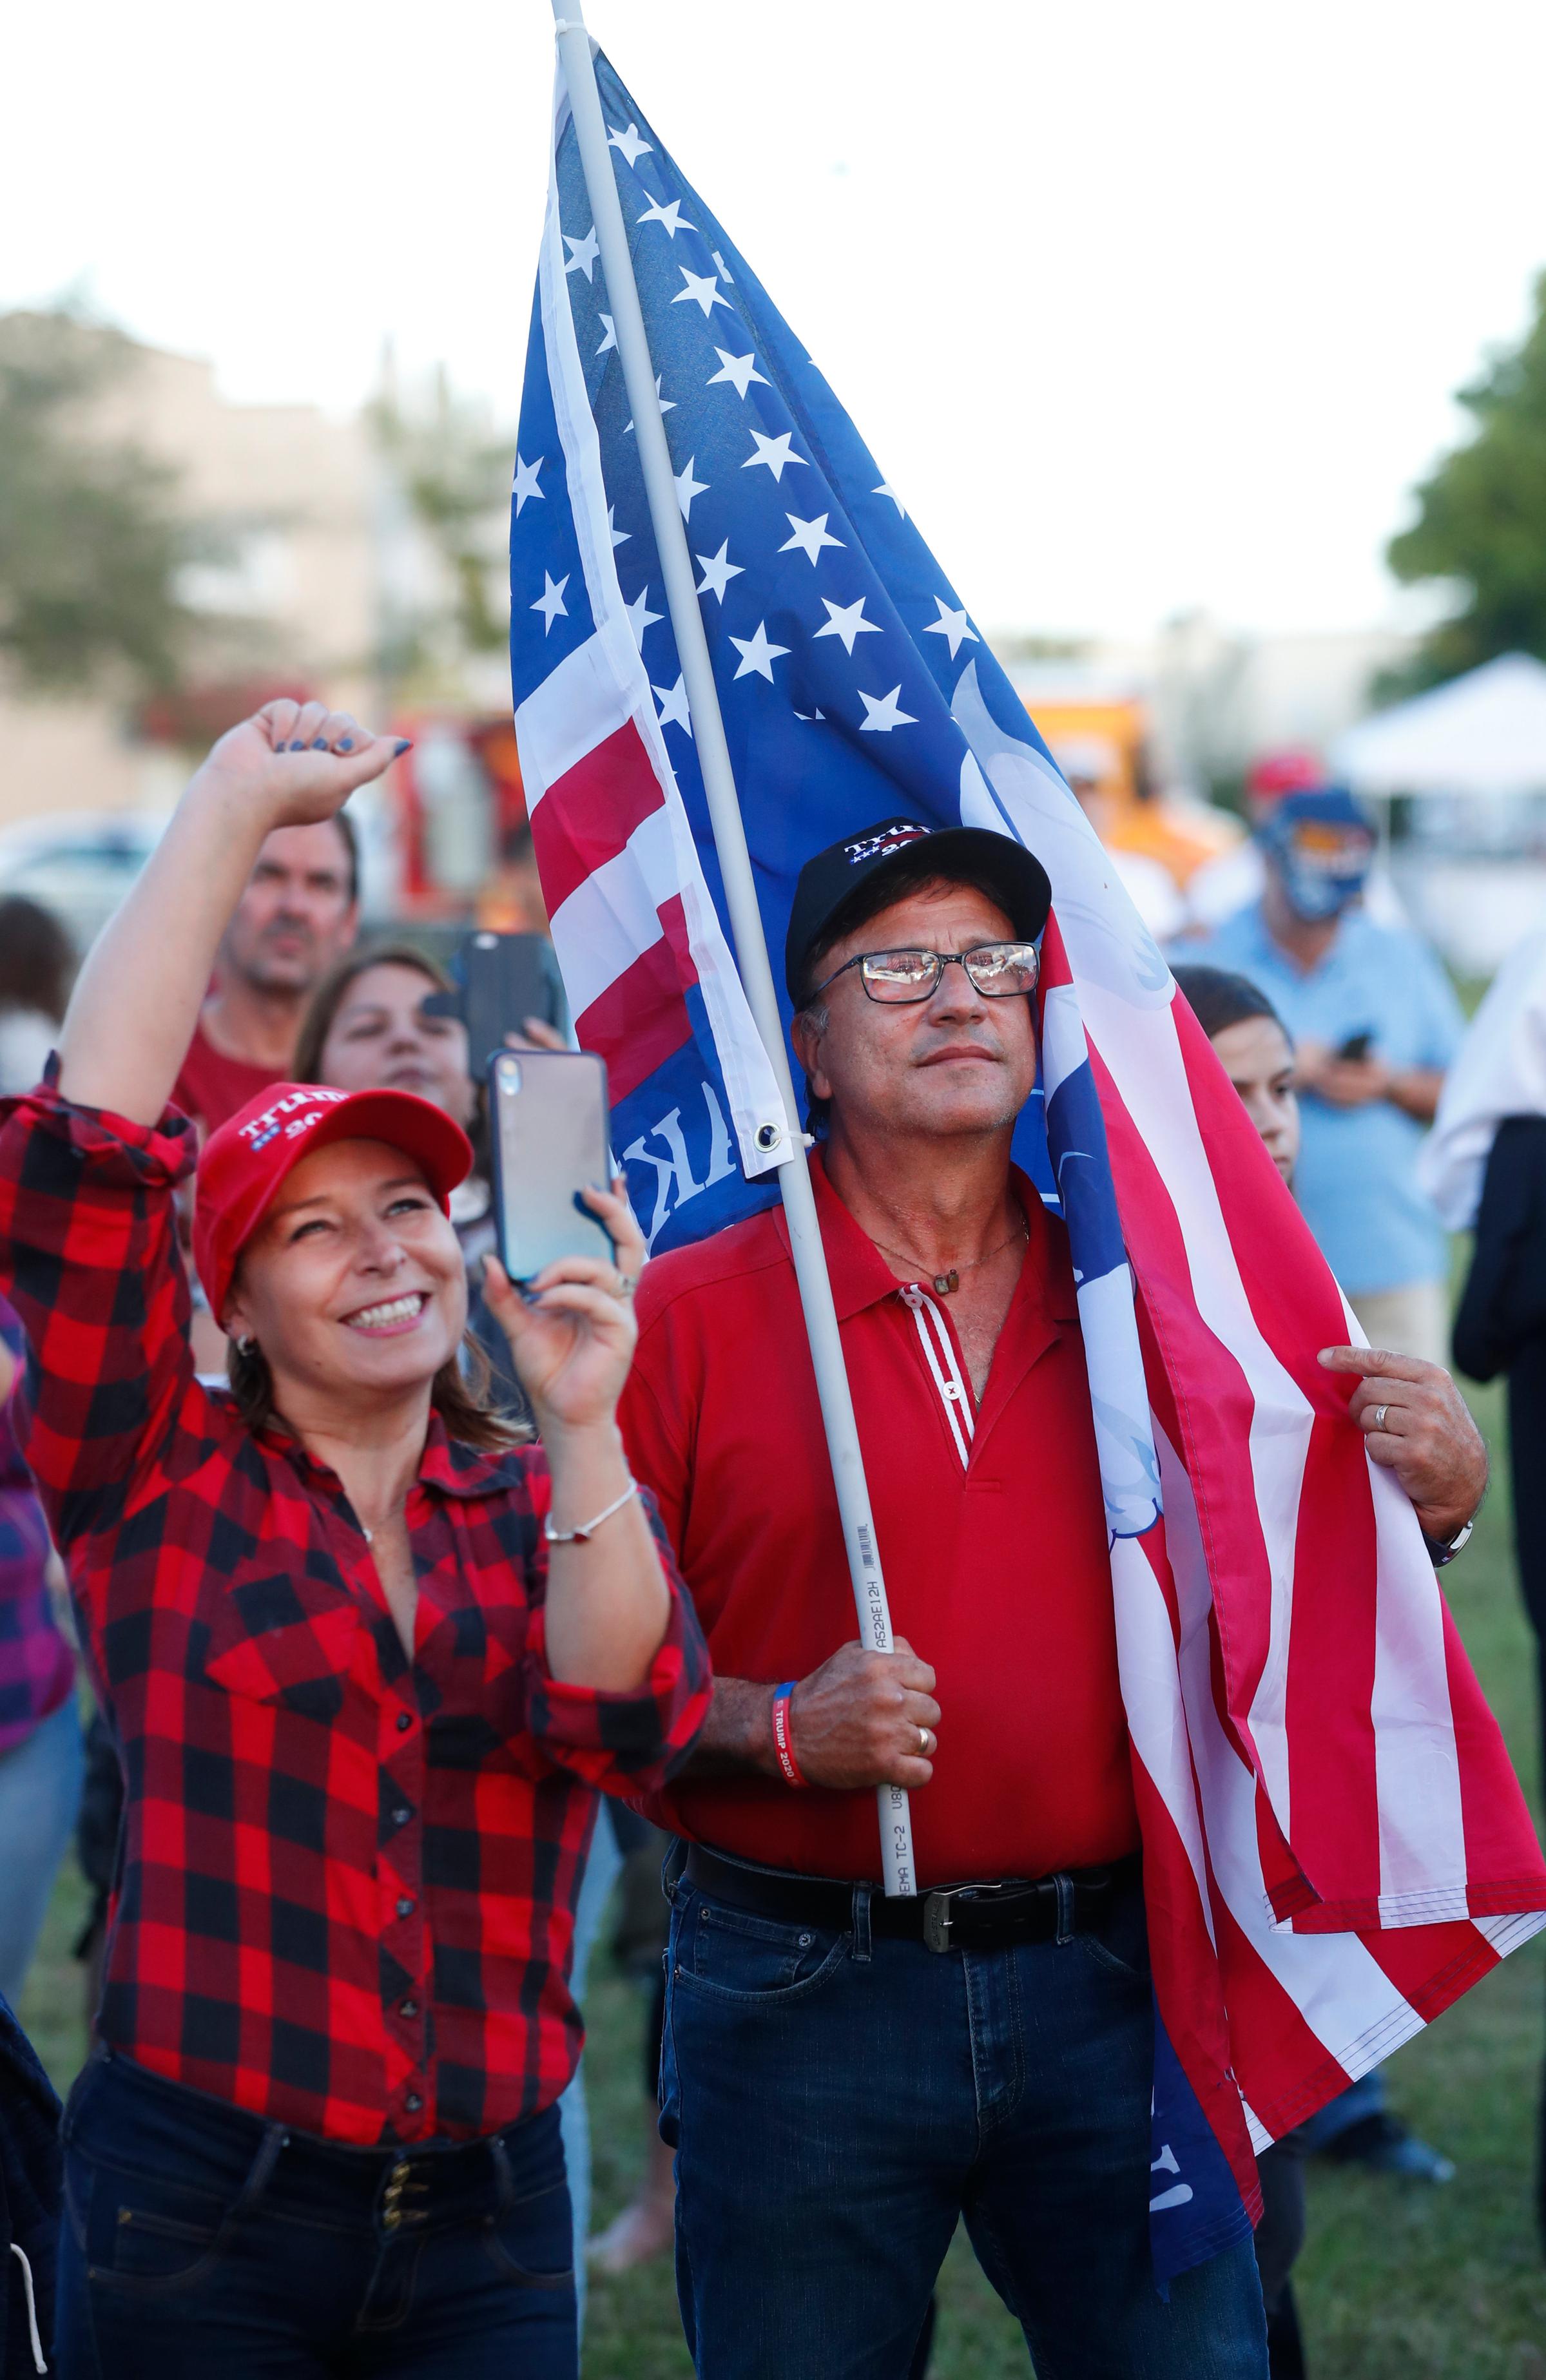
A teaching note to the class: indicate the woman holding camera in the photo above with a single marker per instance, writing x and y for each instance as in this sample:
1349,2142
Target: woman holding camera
363,1659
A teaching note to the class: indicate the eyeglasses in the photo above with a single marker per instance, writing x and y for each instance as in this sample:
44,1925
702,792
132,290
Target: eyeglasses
998,970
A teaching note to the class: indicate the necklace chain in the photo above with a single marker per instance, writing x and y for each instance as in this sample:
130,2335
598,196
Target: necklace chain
946,1282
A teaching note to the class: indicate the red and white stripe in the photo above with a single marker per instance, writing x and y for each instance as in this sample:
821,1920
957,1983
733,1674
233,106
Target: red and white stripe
633,926
1332,1829
1335,1845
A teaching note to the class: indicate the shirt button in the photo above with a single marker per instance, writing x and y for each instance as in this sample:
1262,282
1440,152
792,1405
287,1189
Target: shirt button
405,1907
400,1816
413,2103
404,1720
411,2007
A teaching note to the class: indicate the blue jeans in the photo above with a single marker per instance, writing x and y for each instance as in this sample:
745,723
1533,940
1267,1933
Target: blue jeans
202,2244
838,2103
39,1791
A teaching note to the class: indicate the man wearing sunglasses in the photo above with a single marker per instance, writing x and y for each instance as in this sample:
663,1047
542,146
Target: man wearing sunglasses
845,2077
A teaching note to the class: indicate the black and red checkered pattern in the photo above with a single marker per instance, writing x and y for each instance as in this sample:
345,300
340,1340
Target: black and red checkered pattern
348,1886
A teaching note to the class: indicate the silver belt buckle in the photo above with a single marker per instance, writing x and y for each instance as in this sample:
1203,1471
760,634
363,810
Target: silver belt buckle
936,1918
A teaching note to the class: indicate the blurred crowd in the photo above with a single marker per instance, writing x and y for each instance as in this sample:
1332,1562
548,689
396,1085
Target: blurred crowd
1396,1124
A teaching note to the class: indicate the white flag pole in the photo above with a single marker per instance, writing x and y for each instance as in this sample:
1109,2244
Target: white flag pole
745,920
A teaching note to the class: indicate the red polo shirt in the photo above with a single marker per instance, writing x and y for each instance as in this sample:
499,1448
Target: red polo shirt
990,1527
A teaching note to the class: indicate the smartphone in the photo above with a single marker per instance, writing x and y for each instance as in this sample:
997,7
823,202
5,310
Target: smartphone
501,980
1355,1047
549,1126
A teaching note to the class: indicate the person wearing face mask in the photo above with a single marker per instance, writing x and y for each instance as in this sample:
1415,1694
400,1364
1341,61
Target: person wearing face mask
367,1657
1375,1024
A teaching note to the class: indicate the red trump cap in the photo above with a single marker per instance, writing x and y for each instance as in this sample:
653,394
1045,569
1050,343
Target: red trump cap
244,1163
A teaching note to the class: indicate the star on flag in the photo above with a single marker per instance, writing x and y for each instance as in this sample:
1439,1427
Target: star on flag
952,625
773,451
631,143
810,536
739,371
880,714
757,655
525,482
670,218
582,253
848,621
687,486
674,705
703,290
641,616
550,603
718,571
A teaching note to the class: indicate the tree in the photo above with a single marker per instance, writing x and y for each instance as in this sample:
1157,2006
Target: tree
1481,520
91,538
452,468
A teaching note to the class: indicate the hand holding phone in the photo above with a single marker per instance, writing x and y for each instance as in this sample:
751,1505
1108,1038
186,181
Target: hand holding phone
1356,1049
502,979
572,1332
549,1127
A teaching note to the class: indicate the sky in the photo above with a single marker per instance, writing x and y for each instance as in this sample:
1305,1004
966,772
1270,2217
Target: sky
1142,308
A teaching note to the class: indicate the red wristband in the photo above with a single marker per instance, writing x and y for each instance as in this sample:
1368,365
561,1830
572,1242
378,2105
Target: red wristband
783,1734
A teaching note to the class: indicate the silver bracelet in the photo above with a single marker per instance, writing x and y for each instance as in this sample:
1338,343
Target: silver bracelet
588,1529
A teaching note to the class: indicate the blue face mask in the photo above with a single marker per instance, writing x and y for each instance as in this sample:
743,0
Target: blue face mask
1316,893
1322,864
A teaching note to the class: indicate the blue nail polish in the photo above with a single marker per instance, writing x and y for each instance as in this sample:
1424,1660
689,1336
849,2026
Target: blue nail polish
346,744
294,748
319,743
405,744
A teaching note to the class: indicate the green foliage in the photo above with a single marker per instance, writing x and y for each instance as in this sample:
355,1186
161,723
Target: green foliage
90,539
1482,521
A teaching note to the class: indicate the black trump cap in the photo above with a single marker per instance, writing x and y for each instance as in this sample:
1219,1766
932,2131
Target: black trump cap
829,884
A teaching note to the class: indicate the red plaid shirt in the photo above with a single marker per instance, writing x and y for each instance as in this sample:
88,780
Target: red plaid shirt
347,1885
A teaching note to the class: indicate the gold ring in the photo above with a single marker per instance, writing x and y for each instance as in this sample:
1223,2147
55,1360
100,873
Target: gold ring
923,1742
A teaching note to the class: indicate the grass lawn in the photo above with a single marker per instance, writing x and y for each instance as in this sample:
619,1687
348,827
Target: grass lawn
1396,2283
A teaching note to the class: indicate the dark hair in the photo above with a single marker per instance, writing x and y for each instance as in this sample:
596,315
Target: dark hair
37,958
459,1393
1219,1000
328,998
350,833
911,872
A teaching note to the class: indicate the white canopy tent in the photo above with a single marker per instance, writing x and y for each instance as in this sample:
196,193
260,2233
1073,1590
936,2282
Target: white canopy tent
1484,733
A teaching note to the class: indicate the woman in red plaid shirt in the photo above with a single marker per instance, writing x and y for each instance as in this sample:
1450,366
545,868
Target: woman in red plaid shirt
362,1655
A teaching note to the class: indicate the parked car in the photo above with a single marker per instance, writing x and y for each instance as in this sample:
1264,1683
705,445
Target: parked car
79,865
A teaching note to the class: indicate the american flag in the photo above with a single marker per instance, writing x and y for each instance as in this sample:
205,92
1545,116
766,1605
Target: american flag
1335,1843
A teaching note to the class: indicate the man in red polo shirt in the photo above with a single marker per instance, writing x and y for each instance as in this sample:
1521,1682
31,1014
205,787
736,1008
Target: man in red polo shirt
838,2091
297,917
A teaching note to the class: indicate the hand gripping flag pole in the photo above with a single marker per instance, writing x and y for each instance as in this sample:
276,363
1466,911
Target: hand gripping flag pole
751,949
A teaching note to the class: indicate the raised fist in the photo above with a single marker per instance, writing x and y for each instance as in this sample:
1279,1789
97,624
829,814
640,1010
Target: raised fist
298,762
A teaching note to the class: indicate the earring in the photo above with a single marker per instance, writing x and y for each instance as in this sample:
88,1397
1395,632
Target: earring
247,1346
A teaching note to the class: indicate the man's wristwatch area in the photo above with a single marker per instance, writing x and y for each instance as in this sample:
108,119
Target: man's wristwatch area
1444,1549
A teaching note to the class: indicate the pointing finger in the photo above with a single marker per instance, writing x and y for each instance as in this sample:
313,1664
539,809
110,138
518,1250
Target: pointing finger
1375,1359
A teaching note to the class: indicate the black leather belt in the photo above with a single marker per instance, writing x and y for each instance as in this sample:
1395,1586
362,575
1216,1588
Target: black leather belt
961,1917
